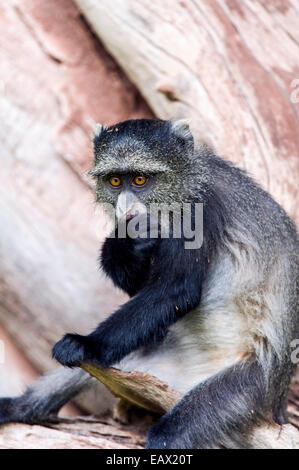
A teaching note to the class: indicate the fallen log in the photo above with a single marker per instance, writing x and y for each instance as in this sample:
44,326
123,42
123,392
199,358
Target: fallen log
72,433
98,433
139,389
149,393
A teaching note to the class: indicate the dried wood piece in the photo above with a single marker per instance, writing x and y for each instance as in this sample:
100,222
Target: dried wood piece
148,392
137,388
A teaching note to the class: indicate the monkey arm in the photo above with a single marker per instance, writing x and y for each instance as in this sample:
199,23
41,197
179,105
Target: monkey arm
173,290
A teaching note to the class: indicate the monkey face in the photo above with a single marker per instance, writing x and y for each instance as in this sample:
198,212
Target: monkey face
139,162
129,192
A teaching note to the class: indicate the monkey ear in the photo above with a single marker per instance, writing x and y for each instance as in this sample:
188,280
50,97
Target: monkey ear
98,129
180,128
96,134
95,137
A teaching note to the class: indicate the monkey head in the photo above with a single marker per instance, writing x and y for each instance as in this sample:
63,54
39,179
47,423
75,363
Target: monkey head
144,161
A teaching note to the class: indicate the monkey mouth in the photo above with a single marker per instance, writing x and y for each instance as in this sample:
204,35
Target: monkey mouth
131,216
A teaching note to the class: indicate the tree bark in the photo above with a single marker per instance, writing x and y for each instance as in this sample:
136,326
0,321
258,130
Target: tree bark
89,433
76,433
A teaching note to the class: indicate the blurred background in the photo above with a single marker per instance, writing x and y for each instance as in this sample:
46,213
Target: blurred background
231,67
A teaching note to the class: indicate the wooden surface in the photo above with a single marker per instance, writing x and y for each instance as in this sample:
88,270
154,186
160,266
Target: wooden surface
148,393
107,433
76,433
137,388
227,65
89,433
129,427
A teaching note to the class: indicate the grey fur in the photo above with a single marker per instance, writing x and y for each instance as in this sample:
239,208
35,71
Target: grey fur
42,402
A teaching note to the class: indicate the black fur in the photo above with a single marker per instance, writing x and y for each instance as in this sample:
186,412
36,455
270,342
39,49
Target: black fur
171,290
127,261
149,132
22,410
6,409
166,281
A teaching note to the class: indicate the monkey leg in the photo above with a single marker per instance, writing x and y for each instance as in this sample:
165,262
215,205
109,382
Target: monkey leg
219,412
42,402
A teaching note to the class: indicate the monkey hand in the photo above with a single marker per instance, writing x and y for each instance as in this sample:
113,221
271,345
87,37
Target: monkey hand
141,246
147,234
72,350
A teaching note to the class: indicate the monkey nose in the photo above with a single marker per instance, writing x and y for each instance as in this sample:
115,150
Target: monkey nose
130,215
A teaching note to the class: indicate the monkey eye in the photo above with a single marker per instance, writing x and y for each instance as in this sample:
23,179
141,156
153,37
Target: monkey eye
139,180
115,181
